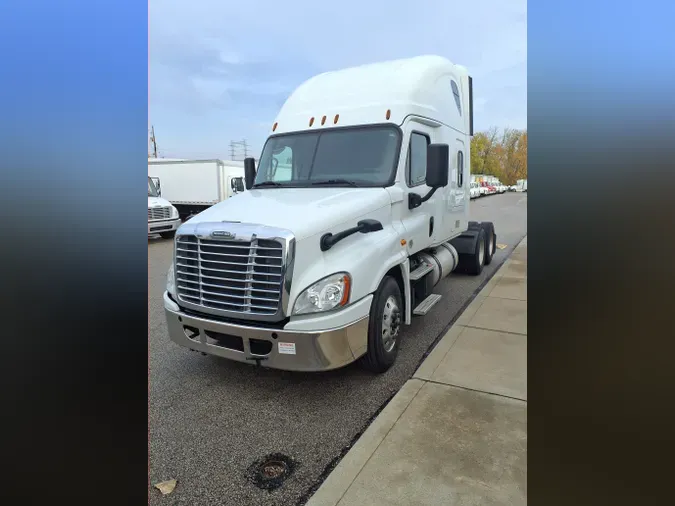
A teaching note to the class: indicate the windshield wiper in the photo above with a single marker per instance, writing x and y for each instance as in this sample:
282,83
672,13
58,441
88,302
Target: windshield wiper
267,183
336,181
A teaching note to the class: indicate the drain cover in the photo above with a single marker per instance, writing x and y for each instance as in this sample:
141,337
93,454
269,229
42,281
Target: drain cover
270,472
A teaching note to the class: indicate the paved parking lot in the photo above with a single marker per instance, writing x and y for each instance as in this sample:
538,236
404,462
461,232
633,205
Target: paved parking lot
210,419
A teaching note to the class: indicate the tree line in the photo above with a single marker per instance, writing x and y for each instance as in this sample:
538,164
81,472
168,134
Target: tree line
503,155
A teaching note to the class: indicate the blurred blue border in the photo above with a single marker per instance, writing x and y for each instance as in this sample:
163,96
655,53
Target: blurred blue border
74,102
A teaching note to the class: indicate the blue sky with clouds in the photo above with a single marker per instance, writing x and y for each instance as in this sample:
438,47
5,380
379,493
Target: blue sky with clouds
219,71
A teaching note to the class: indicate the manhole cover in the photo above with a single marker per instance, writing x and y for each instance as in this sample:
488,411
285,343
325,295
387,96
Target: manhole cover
270,472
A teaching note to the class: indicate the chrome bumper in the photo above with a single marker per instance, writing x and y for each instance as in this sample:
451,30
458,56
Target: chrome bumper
155,227
290,350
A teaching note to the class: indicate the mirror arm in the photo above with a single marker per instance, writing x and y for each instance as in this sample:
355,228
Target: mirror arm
429,195
415,200
364,226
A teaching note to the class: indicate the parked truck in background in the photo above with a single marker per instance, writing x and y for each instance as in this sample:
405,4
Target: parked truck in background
474,190
359,207
163,218
479,179
195,185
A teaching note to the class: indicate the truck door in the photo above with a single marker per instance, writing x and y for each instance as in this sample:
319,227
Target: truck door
420,223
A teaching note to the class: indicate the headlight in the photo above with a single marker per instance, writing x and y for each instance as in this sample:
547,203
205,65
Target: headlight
324,295
174,212
171,281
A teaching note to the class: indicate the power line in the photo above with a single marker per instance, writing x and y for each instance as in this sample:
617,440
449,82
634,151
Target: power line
238,150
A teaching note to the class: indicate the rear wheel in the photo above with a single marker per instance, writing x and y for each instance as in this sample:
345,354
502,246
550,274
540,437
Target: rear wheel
384,327
490,241
474,262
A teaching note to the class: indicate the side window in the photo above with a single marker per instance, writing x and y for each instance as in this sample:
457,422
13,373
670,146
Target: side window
417,159
460,169
455,92
281,165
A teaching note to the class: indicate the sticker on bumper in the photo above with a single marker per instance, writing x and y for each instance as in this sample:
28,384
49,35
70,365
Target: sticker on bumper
287,348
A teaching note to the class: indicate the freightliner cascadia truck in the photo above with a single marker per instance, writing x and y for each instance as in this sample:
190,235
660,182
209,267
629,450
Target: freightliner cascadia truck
358,208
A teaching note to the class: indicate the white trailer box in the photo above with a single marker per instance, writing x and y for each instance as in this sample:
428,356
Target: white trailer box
195,185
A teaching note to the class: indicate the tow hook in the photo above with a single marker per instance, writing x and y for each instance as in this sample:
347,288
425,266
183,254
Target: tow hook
257,359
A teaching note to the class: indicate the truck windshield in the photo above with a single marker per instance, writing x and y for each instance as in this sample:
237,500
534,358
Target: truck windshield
344,157
152,190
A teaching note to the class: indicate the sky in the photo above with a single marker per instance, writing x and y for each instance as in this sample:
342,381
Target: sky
219,71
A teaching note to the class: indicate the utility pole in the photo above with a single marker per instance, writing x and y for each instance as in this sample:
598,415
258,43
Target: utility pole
236,147
153,140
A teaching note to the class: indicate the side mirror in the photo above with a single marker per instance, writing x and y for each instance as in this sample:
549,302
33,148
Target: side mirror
438,165
238,184
249,172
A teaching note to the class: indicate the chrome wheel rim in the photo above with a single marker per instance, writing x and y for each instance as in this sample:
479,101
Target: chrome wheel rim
391,323
481,253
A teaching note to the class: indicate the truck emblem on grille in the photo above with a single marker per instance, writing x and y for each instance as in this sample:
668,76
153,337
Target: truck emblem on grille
223,233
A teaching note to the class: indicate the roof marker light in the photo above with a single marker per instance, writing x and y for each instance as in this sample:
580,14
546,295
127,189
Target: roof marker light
323,120
388,113
311,121
274,127
335,120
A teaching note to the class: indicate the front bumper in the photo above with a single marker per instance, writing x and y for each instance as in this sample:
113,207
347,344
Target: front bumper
331,347
155,227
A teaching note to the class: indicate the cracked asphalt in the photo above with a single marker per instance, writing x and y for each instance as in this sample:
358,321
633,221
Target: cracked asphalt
211,418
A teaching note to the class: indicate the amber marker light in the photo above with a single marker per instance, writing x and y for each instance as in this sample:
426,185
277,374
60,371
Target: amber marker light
345,295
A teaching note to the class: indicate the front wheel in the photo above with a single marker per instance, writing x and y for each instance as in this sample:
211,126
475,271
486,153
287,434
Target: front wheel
383,327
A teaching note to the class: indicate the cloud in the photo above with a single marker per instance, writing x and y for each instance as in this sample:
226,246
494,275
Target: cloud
219,71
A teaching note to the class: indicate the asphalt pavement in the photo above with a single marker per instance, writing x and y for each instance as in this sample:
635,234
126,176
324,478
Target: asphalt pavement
211,419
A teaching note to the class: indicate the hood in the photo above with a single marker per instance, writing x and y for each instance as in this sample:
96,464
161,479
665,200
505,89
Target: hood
158,202
304,211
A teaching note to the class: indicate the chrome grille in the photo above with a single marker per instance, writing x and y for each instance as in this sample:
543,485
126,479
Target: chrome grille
159,213
232,276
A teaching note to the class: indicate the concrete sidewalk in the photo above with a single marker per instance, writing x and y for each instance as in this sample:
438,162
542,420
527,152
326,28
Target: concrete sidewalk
456,433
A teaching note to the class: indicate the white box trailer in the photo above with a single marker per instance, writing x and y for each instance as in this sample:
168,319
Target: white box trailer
195,185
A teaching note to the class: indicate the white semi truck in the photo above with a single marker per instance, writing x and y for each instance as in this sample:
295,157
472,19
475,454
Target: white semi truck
358,208
162,216
195,185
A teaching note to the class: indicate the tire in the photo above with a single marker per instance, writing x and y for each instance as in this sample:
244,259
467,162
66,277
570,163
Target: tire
490,241
475,261
385,316
168,235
